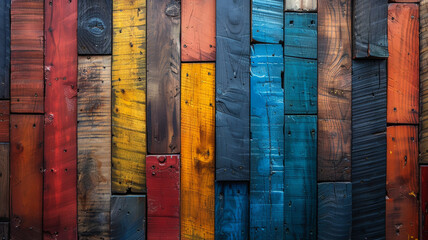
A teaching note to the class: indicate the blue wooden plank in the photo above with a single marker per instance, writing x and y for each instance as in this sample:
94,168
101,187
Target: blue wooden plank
334,210
4,48
300,84
267,143
300,198
267,21
128,217
231,210
300,35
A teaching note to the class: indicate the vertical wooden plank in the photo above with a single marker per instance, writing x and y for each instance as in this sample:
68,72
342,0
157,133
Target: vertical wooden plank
198,30
4,182
301,5
4,120
26,176
267,21
334,210
163,197
231,210
4,230
402,183
163,76
424,202
26,78
300,35
5,49
94,147
423,71
94,27
60,196
128,217
403,63
197,156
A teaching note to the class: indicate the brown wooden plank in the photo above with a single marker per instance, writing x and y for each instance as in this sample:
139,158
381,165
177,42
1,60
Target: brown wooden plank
423,74
4,181
424,202
4,120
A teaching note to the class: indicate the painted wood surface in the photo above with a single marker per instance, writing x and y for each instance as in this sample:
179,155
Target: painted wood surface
267,21
300,35
163,76
231,210
128,217
4,230
424,202
60,155
26,176
5,49
163,197
233,90
403,63
368,148
334,210
4,120
198,30
94,147
26,77
4,182
301,5
405,1
94,27
197,155
423,71
129,147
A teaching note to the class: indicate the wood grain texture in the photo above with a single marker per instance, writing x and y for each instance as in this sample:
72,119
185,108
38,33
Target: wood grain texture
233,90
4,120
198,30
301,5
5,49
300,35
403,63
424,202
423,91
402,183
94,147
4,230
163,197
231,210
94,27
197,155
129,97
60,155
163,76
128,217
26,176
267,21
26,76
4,182
334,210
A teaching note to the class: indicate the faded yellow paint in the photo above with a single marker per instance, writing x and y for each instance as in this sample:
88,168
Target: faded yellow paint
129,97
197,152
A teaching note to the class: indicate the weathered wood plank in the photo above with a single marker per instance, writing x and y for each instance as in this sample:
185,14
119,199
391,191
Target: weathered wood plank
5,49
94,147
301,5
163,76
233,90
300,35
423,91
231,210
405,1
163,196
403,63
4,120
424,202
129,147
26,176
402,183
198,30
4,182
197,156
60,155
26,77
267,21
128,217
94,27
4,230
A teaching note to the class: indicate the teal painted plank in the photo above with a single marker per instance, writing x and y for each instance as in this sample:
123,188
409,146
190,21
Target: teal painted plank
128,217
300,35
267,21
300,85
267,143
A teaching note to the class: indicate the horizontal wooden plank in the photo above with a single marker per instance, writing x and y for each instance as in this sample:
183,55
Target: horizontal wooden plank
424,202
300,35
423,73
4,182
5,49
128,217
267,21
301,5
4,120
4,230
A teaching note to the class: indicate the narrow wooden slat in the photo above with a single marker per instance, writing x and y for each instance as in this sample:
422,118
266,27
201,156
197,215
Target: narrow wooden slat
300,35
4,120
5,49
402,183
163,196
197,156
60,155
405,1
267,21
423,71
4,230
94,27
424,202
233,90
129,97
198,30
94,147
300,5
4,182
26,176
403,63
163,76
128,217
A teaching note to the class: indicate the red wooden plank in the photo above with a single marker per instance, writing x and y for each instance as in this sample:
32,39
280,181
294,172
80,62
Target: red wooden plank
4,182
163,196
424,202
60,201
4,121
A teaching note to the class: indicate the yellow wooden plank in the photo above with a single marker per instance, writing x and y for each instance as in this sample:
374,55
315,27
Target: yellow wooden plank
197,152
129,97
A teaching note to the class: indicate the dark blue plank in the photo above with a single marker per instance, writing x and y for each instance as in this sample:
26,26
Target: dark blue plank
267,143
267,21
4,48
128,217
300,35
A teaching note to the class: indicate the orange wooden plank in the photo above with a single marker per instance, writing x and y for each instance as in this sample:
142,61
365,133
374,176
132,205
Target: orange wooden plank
4,120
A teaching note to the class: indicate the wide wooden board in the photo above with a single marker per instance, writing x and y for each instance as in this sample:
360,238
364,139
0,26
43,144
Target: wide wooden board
4,230
4,182
423,91
301,5
128,217
4,120
5,49
267,21
424,202
300,35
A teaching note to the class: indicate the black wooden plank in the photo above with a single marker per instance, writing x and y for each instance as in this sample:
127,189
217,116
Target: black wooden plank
4,230
4,48
94,26
128,217
232,90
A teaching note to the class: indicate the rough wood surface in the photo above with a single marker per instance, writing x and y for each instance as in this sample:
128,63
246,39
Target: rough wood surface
300,35
423,71
267,21
163,76
128,217
301,5
424,202
129,147
4,120
4,182
4,230
5,49
197,155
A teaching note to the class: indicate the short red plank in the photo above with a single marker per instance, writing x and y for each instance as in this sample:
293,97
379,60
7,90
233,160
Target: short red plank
60,200
163,197
4,121
424,202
